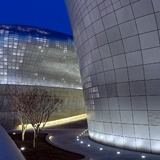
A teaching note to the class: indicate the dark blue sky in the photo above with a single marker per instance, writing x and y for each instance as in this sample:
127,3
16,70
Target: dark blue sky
50,14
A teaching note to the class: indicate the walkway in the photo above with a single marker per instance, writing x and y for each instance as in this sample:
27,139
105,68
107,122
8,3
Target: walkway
65,137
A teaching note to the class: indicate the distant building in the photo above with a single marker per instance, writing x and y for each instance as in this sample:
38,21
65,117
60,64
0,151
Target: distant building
44,59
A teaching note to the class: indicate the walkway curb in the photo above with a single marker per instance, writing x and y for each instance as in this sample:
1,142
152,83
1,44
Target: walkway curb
87,157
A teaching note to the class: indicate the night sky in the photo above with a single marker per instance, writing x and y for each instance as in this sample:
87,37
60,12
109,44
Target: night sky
50,14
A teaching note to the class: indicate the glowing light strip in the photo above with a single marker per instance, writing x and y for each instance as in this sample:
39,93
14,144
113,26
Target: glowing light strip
60,121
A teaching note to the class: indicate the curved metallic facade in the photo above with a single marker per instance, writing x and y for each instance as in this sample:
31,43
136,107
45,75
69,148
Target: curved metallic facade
118,45
35,56
44,59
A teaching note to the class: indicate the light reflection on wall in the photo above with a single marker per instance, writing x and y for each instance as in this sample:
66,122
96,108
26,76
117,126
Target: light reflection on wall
118,47
33,56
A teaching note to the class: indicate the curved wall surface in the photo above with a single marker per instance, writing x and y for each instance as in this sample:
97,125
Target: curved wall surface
44,59
73,105
35,56
118,47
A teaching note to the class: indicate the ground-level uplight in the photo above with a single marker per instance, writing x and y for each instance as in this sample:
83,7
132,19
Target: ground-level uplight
101,149
77,139
22,148
118,152
81,141
143,156
88,145
14,133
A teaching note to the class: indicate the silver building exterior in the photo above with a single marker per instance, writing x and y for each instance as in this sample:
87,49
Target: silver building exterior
35,56
41,58
118,47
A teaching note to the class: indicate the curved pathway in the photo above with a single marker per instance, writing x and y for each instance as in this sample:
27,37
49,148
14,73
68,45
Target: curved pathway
65,137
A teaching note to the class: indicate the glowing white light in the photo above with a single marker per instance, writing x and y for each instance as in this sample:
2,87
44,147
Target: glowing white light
77,139
14,133
143,156
50,137
77,136
88,145
81,141
118,152
22,148
60,121
101,149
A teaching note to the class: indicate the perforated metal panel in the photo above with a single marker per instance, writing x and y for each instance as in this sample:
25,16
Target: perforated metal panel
35,56
118,46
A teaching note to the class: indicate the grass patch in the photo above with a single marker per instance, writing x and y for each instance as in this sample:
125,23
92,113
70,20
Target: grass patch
44,151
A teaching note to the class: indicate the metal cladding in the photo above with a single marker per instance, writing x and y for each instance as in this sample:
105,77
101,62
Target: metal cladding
118,47
35,56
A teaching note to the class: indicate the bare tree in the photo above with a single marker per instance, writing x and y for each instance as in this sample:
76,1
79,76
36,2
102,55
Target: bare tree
38,105
18,108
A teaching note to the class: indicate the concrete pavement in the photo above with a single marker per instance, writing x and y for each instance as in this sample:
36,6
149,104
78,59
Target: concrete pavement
72,139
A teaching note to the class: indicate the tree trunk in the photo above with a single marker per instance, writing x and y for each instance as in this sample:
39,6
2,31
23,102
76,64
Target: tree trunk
35,139
23,132
24,127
